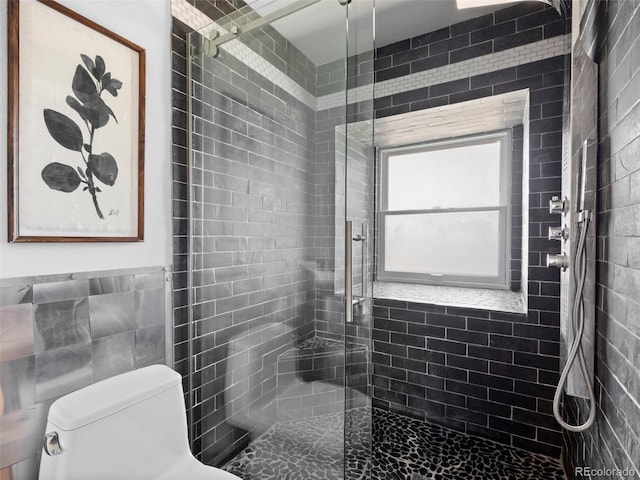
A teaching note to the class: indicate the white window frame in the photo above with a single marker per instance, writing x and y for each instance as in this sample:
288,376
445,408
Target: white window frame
502,280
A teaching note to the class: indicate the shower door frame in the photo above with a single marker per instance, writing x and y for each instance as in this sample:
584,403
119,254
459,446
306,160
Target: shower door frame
198,45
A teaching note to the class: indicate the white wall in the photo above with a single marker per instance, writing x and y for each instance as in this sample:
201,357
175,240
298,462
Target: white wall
148,24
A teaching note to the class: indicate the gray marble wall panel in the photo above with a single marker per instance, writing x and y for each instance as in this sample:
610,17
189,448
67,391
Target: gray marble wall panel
16,331
63,370
149,307
16,294
145,281
149,345
58,291
113,354
59,334
101,286
25,469
17,383
112,314
58,324
17,442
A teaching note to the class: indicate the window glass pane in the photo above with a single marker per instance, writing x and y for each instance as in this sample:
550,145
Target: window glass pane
460,243
452,177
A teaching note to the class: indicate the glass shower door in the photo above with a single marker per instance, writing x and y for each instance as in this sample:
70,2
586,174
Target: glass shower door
278,384
357,211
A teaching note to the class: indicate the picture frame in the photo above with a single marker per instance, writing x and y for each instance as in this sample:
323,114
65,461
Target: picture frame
76,123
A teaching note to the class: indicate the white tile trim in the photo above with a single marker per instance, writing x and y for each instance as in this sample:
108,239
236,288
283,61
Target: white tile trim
551,47
191,16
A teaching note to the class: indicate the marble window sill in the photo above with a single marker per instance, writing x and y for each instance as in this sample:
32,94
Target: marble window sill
480,298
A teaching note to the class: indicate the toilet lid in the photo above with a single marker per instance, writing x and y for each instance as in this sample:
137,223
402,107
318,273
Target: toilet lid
112,395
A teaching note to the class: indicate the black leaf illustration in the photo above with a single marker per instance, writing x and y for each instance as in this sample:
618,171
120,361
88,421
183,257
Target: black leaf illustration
109,88
95,113
104,167
77,106
60,177
88,62
100,67
113,86
83,85
63,130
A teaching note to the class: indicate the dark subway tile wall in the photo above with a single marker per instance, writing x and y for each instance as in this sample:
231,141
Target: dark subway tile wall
486,373
311,377
614,442
545,151
329,219
512,27
179,195
544,78
253,165
507,28
216,9
266,41
515,265
282,54
454,367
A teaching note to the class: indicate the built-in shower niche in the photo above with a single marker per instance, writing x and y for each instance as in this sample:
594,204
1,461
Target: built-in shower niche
311,378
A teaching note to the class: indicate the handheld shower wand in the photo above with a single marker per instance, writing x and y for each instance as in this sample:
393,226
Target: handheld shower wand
578,313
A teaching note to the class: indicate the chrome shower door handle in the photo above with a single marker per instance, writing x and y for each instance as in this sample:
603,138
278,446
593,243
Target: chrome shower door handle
349,299
362,239
348,271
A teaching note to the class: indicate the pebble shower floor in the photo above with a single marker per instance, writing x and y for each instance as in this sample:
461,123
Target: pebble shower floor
403,449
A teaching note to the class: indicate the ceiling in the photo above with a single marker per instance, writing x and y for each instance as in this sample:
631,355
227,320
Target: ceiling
319,30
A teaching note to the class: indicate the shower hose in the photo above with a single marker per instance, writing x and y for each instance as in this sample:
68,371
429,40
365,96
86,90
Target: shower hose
580,273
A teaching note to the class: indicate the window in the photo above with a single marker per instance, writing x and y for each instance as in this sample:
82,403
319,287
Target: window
444,212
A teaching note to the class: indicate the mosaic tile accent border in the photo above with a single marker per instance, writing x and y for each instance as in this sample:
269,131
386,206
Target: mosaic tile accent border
513,57
191,16
548,48
480,298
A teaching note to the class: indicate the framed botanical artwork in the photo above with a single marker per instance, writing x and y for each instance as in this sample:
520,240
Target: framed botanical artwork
76,128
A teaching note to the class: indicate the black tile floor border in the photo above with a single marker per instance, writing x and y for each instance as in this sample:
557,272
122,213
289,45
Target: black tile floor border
403,449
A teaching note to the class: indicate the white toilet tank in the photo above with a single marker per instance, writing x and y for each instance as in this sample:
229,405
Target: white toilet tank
132,426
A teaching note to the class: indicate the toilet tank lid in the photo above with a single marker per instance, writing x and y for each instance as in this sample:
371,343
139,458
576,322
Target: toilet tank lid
110,396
